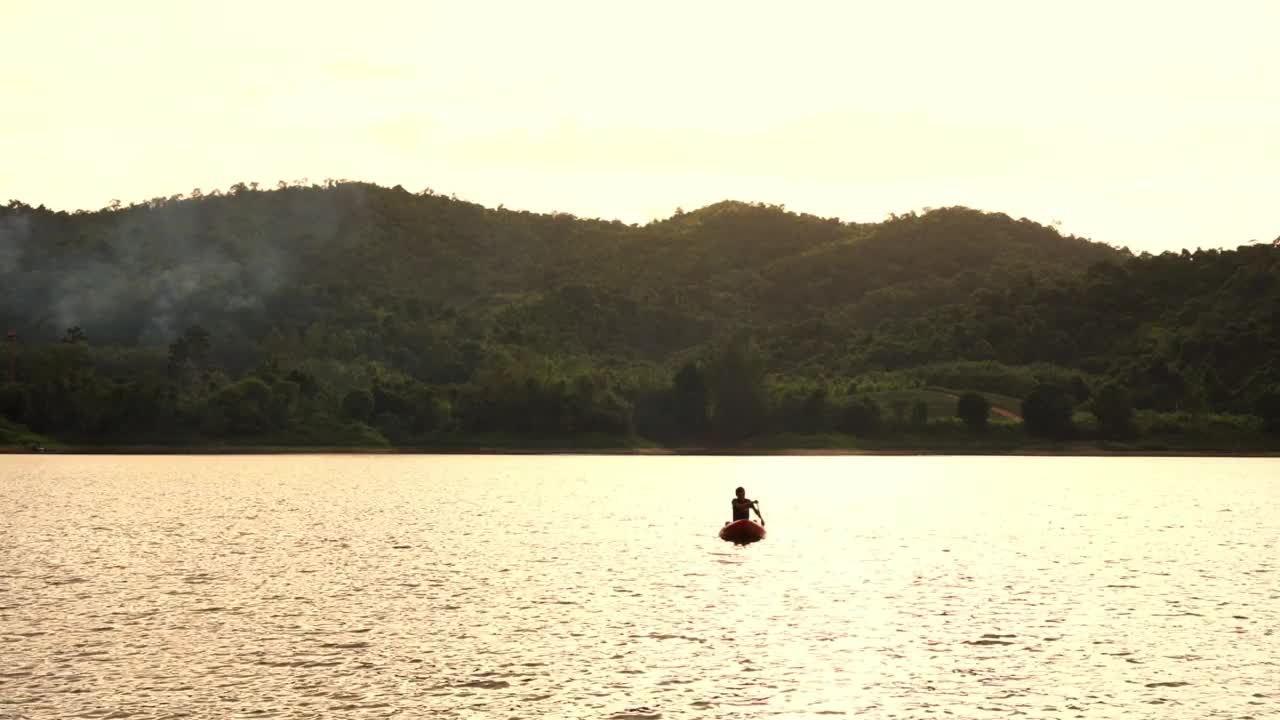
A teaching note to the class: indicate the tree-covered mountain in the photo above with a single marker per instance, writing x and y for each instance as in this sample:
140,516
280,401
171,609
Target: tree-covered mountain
364,257
292,302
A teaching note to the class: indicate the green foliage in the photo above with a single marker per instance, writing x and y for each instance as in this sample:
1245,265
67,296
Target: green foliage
973,409
75,335
919,414
994,377
244,408
358,434
1084,424
14,434
1190,429
1079,389
860,415
691,399
357,405
13,401
1113,407
285,395
1047,412
190,354
738,393
801,406
1268,408
537,397
938,403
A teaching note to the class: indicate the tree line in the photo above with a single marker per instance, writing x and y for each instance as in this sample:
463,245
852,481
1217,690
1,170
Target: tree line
724,397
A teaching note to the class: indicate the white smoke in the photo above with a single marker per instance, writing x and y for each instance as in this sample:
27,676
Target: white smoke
144,275
14,231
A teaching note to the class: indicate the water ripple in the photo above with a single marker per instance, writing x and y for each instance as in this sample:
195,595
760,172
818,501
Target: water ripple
471,587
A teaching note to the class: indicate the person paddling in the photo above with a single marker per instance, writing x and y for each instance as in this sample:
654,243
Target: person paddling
742,507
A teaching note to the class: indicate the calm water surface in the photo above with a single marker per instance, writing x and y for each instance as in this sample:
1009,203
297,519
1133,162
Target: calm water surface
595,587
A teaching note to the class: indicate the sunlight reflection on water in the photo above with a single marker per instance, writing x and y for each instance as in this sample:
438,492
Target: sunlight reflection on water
595,587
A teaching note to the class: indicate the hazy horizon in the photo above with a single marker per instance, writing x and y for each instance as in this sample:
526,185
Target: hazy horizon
1146,126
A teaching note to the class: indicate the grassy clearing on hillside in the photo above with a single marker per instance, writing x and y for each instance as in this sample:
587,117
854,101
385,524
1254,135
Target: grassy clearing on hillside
1012,404
940,401
12,433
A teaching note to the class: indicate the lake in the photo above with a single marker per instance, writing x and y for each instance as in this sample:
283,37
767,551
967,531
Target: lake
595,587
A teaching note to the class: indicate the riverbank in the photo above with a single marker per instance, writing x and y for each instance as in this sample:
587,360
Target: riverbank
773,445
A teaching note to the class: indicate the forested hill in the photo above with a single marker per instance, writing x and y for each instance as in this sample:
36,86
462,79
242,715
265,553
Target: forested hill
362,258
351,287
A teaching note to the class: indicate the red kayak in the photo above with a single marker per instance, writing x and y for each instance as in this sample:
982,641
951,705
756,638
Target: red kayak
742,532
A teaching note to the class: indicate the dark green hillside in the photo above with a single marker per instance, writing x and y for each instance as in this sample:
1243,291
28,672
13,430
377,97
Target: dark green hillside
356,314
910,263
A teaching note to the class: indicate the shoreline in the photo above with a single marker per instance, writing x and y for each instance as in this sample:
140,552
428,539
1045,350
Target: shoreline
1065,451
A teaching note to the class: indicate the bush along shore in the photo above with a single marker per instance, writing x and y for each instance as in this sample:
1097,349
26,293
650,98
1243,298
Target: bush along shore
857,425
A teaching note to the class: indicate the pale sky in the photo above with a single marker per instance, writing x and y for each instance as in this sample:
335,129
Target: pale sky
1154,125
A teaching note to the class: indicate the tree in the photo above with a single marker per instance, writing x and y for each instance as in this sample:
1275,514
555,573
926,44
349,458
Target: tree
357,405
189,354
737,386
1113,406
1268,407
1047,411
284,402
430,411
860,416
919,414
690,399
814,411
74,335
1079,389
242,408
13,401
900,406
973,409
308,386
